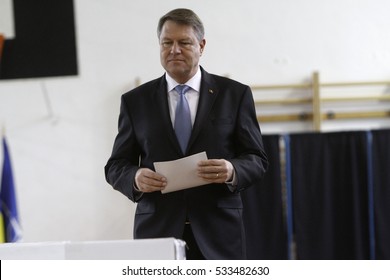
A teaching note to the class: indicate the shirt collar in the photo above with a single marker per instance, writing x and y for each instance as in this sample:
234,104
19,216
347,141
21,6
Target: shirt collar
194,82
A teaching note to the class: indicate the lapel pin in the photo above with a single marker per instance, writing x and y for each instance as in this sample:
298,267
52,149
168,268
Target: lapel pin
211,91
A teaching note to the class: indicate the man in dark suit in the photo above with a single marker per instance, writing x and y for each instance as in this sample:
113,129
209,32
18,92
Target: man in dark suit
224,124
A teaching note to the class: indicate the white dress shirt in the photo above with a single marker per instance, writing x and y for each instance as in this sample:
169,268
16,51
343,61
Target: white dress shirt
192,94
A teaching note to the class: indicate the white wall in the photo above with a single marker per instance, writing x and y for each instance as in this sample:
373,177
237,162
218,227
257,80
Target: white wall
60,130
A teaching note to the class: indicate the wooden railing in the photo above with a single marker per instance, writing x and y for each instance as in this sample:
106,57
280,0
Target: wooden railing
316,114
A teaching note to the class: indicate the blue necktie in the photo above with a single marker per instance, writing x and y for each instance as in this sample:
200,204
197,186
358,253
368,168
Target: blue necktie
183,125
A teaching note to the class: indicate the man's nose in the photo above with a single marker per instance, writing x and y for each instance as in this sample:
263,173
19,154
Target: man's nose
175,48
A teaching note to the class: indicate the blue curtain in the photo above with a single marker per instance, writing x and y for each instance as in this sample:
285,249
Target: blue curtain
329,189
381,192
263,210
336,200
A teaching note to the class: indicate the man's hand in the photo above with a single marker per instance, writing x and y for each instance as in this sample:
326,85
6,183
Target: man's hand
147,180
216,170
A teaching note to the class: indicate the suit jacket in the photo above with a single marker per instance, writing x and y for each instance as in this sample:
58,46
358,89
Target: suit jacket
225,127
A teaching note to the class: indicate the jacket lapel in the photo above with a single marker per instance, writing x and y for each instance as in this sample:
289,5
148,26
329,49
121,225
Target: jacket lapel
162,110
208,95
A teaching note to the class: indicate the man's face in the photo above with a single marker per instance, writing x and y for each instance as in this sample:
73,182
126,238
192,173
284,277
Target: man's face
180,50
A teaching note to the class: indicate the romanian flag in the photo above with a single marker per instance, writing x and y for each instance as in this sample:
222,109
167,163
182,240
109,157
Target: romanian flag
9,221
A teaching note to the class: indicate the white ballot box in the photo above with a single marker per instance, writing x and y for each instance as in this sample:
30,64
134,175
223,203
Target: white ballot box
140,249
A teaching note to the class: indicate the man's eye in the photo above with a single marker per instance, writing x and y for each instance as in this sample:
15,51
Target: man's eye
166,44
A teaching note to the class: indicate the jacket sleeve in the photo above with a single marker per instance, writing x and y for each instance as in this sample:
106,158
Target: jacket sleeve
124,161
251,161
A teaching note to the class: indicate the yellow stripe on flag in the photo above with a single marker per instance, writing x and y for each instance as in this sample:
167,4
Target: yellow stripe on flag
2,229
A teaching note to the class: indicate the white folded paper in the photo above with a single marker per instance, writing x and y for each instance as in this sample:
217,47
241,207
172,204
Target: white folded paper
181,173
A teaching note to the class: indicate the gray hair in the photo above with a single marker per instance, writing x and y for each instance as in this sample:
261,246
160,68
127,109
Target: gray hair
185,17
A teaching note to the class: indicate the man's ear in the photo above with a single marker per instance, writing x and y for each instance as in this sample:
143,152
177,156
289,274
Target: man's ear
202,44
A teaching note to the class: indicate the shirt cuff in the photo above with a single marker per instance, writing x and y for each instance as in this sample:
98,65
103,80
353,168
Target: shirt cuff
137,193
232,184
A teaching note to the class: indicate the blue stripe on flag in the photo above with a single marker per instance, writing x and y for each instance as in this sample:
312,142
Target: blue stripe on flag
8,200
